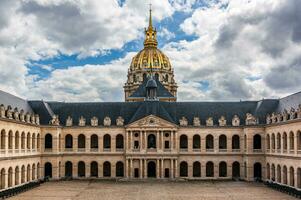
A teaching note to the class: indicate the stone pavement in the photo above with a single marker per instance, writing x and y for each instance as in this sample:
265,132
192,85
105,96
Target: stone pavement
110,190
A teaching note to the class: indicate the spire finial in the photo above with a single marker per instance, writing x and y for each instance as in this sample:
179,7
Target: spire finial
150,32
150,23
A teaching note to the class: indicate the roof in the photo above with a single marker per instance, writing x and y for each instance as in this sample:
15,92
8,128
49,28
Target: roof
170,111
15,102
162,92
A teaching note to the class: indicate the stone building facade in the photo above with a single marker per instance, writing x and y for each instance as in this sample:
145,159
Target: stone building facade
150,136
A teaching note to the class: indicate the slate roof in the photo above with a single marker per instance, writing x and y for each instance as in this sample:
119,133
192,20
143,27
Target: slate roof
162,92
170,111
15,102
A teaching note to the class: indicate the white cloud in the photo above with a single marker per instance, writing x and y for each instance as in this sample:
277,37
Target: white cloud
165,33
243,40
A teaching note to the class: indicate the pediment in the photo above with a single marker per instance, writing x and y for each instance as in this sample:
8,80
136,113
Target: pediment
151,121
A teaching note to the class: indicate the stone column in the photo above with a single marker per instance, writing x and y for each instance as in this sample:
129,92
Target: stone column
282,145
131,140
176,145
172,140
296,146
215,143
176,168
171,168
74,169
87,167
162,168
131,168
162,140
157,140
296,177
126,140
13,142
126,168
100,143
145,168
145,140
140,140
141,168
215,169
6,147
157,168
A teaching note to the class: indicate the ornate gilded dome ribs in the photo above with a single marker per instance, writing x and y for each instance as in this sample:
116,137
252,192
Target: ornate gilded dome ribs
150,58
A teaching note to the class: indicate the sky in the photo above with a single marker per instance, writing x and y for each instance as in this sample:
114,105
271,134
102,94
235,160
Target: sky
80,50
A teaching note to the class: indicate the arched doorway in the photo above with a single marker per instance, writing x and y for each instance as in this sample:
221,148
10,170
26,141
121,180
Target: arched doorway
106,169
2,179
10,177
223,169
94,169
257,171
196,169
81,169
17,176
68,169
119,169
48,170
236,170
284,170
209,169
151,169
183,169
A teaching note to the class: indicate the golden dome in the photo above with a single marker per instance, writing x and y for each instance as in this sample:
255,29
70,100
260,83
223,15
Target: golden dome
150,57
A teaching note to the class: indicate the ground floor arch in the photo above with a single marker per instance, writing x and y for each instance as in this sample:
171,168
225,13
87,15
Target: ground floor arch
151,169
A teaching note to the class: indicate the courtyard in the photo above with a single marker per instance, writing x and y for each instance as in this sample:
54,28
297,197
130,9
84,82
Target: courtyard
111,190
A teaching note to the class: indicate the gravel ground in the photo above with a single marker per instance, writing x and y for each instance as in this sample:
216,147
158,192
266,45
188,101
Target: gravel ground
156,190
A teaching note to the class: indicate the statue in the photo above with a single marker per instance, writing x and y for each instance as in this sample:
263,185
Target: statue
107,121
235,121
196,121
94,121
69,121
250,119
268,119
55,120
27,117
292,114
274,118
37,119
22,116
209,121
9,113
222,121
119,121
183,121
16,114
285,115
2,111
82,121
299,111
33,119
